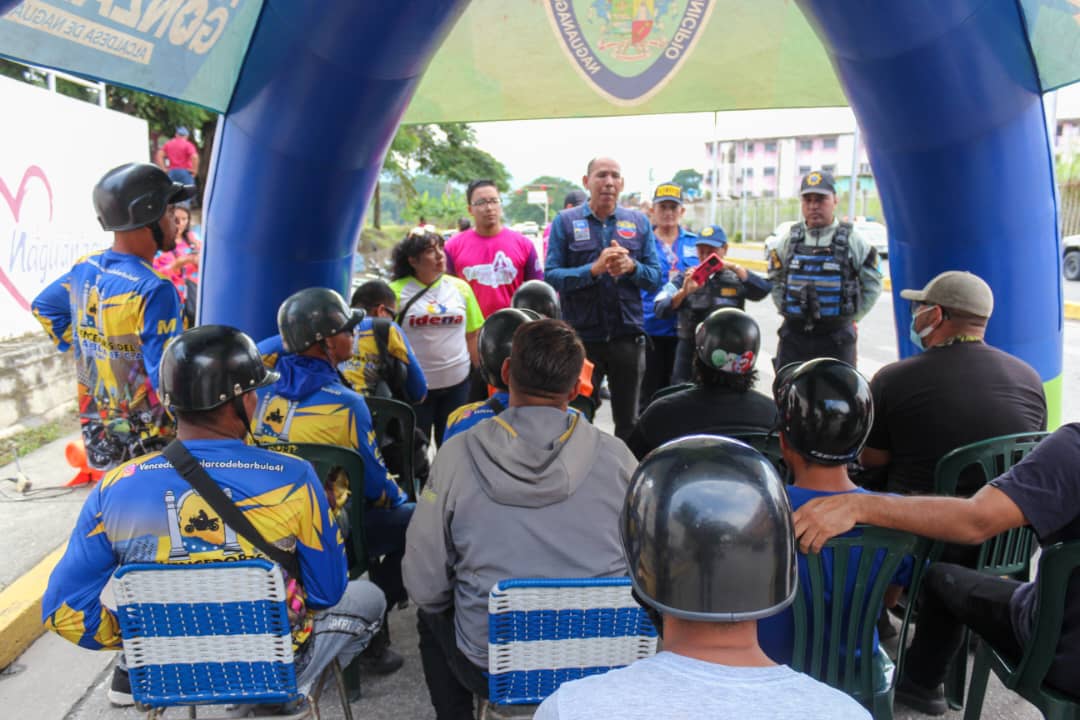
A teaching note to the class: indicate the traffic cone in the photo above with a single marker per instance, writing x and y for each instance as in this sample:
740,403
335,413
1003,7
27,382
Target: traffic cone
75,453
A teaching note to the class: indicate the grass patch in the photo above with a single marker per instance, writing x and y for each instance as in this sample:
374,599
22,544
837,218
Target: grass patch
31,439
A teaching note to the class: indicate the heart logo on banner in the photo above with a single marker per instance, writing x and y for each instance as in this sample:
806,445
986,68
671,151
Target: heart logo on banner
14,202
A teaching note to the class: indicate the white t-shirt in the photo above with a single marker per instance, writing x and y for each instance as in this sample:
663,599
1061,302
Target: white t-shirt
436,325
673,686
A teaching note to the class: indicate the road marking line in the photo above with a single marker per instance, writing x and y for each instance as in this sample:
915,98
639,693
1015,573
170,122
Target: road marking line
20,608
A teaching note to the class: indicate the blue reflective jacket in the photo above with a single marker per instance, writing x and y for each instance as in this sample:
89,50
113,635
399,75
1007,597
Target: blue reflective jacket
603,307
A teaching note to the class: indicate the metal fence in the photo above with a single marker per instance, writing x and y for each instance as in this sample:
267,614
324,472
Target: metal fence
762,215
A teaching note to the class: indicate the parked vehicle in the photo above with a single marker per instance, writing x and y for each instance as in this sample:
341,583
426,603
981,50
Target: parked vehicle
873,232
1070,257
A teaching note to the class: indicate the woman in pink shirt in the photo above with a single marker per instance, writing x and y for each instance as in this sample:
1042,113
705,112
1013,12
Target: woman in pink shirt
182,263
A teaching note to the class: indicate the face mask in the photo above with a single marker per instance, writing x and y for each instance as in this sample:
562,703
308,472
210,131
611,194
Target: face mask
917,336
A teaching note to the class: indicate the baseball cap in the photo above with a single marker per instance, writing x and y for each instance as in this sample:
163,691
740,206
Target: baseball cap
575,198
817,182
182,131
713,236
668,191
956,290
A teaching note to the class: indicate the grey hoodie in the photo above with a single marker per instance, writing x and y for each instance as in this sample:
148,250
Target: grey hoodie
532,492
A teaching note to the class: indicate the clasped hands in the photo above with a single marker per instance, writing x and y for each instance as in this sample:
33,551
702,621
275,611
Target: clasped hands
614,260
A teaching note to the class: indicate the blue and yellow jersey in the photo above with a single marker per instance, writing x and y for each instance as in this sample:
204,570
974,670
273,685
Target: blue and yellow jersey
144,511
365,369
473,413
309,404
117,313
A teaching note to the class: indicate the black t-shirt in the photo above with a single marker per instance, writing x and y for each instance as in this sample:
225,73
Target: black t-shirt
1046,488
934,402
711,410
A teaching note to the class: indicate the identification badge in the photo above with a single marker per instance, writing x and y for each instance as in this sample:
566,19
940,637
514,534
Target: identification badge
581,230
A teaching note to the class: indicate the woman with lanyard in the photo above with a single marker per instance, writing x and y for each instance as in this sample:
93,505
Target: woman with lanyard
441,318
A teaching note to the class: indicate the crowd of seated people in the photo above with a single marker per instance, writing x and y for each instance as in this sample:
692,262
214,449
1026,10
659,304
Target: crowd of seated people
522,484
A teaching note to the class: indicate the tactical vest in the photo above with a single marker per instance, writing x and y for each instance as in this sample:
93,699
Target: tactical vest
723,289
821,284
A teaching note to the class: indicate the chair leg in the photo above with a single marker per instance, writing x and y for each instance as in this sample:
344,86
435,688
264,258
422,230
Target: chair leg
956,677
343,692
980,674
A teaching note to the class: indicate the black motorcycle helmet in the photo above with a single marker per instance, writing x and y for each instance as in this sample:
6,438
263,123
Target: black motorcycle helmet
496,337
137,195
707,532
780,381
313,314
728,341
826,411
537,295
210,365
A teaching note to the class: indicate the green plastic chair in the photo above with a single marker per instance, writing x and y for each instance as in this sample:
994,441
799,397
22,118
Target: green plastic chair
1056,566
385,411
325,458
1008,554
851,624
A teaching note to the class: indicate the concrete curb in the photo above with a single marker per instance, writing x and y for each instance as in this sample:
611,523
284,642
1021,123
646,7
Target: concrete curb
20,608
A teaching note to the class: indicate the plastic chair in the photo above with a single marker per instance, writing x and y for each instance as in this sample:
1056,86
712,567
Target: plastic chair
838,658
542,633
1006,554
385,411
1057,564
210,634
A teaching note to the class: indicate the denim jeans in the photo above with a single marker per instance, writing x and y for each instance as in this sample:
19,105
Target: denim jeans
384,538
437,407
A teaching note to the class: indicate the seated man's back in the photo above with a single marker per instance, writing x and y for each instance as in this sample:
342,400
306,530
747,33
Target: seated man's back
671,686
534,492
722,402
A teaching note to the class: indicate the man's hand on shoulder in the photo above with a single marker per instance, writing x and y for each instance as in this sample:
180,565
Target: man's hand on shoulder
822,519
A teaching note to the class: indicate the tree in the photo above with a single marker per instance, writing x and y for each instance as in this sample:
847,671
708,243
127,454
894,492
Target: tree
688,179
445,150
520,210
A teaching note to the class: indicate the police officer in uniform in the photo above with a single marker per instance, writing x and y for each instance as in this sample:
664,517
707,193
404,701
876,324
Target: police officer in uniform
722,399
691,303
600,257
825,279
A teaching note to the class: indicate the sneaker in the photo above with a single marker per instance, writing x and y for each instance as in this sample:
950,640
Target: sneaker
925,700
381,662
120,689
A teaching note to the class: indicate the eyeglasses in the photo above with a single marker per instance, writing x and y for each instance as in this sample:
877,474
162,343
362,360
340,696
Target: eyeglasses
486,203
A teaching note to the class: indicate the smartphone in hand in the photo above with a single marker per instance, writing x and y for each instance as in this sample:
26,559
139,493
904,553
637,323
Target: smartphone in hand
707,268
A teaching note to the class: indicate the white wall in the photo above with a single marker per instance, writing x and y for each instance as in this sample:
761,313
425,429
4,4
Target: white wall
53,149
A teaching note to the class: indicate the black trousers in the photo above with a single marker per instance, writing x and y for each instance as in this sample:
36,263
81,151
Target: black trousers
622,360
954,596
798,346
452,678
659,365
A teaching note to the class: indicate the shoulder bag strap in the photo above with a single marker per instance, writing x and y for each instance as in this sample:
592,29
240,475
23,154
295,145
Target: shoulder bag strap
400,317
190,469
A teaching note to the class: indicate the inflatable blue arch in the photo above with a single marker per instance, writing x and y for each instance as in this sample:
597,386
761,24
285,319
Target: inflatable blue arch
947,92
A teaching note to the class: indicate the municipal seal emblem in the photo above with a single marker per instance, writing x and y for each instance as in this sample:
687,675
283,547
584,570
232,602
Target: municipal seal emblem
627,50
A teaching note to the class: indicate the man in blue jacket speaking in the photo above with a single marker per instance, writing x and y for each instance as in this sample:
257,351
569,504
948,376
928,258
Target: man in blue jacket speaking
600,257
